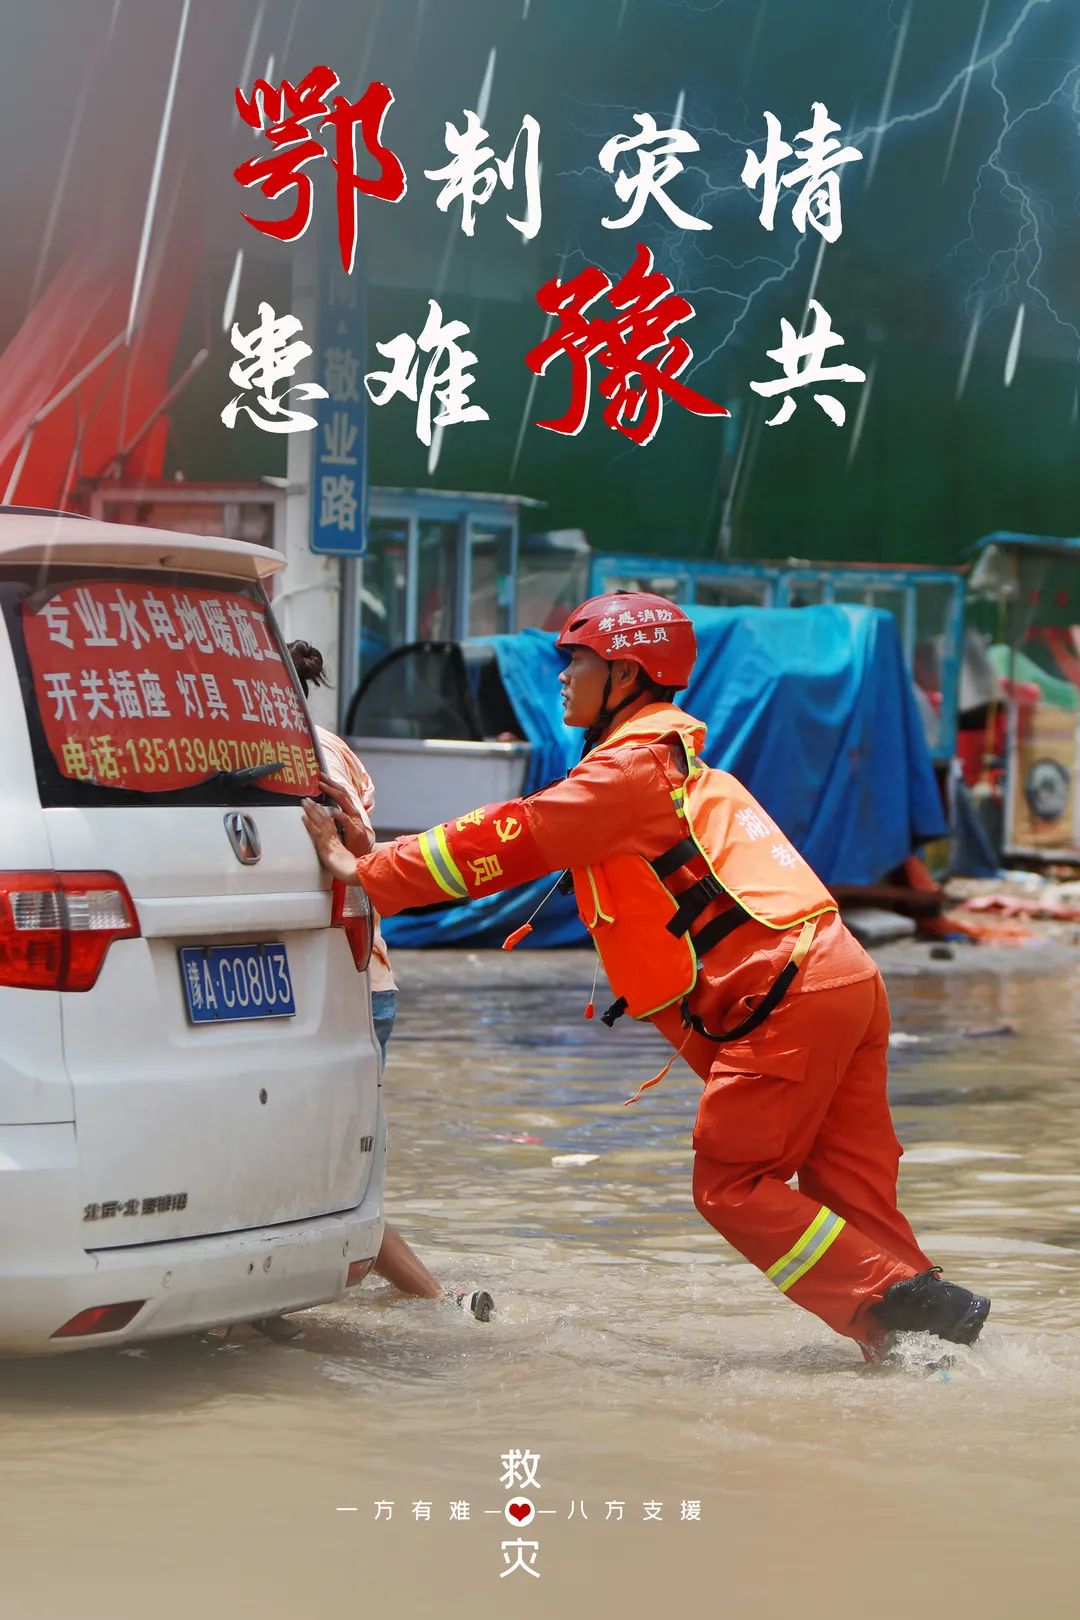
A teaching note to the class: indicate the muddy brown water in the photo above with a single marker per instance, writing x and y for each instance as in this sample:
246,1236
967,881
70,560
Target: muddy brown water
636,1356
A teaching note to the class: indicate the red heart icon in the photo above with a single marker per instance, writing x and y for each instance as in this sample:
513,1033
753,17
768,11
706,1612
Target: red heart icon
519,1510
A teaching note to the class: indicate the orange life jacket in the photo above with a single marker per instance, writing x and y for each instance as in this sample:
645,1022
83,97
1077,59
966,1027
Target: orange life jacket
641,914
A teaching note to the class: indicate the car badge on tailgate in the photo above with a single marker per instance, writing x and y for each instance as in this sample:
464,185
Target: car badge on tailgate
244,837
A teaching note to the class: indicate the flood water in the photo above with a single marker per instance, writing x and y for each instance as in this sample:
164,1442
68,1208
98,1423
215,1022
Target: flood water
633,1353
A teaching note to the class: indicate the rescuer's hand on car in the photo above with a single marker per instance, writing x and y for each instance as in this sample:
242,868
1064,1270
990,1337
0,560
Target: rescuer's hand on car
328,846
359,838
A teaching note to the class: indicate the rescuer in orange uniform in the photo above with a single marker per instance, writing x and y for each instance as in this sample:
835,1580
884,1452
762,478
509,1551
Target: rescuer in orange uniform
711,925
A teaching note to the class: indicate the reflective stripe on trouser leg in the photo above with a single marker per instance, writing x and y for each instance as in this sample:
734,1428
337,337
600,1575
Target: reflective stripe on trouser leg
823,1231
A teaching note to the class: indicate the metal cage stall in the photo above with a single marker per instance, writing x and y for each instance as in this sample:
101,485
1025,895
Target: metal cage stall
440,565
927,603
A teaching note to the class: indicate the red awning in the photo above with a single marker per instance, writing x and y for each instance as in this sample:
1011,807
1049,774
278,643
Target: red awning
81,317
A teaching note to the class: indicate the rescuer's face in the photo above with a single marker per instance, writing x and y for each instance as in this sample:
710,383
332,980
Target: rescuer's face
582,683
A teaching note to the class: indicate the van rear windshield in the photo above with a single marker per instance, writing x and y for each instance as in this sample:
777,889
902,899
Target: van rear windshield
148,688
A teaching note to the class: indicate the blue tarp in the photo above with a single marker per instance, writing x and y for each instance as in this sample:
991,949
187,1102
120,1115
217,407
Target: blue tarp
811,707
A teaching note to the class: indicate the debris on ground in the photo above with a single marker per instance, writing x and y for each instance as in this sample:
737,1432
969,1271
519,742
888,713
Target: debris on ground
1016,908
1013,908
898,1038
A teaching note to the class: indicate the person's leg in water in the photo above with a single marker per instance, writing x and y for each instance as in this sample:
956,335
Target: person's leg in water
762,1113
851,1168
396,1262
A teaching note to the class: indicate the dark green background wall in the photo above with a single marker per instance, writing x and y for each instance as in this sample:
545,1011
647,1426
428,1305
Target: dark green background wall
921,249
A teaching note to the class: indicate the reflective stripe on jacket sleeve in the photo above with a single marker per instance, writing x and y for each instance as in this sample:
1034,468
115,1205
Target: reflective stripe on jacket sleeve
609,804
480,853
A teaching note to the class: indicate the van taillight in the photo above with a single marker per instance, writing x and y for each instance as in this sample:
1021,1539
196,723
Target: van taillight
350,909
56,927
100,1319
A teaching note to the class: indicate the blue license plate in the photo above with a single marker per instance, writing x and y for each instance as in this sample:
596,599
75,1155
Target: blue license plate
226,983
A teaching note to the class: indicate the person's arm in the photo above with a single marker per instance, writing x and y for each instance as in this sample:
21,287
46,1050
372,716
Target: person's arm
348,783
592,815
359,833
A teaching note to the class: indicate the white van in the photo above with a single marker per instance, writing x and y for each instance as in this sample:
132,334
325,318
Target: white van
191,1123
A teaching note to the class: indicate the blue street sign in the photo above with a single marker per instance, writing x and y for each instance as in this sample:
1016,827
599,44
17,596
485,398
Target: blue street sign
339,443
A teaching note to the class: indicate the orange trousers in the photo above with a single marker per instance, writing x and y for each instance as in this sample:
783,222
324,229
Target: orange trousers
805,1096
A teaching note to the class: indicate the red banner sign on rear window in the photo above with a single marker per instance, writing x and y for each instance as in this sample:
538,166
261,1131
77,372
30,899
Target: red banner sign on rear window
147,687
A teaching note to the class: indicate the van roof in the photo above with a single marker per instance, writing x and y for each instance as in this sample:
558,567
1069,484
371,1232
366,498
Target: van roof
48,537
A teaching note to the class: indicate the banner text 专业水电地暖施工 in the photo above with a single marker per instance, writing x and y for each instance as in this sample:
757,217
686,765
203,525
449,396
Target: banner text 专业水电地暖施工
153,688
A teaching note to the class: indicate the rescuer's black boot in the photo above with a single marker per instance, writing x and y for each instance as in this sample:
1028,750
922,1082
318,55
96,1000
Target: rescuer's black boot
927,1304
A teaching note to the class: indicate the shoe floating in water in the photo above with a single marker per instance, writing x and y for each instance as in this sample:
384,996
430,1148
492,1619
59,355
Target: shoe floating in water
476,1301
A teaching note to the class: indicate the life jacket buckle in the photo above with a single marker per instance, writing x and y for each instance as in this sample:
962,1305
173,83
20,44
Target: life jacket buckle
691,902
614,1012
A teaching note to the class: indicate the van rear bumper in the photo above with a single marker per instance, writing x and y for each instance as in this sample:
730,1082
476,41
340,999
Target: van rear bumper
192,1284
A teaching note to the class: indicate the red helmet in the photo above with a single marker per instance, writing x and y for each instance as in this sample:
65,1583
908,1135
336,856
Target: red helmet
649,630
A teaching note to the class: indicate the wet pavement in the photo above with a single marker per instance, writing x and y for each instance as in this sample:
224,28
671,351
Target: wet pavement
642,1361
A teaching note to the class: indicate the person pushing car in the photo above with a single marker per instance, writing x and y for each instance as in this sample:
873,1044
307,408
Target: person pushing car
710,925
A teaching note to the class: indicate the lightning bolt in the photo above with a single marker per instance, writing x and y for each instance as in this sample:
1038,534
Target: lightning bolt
732,287
1014,270
682,254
